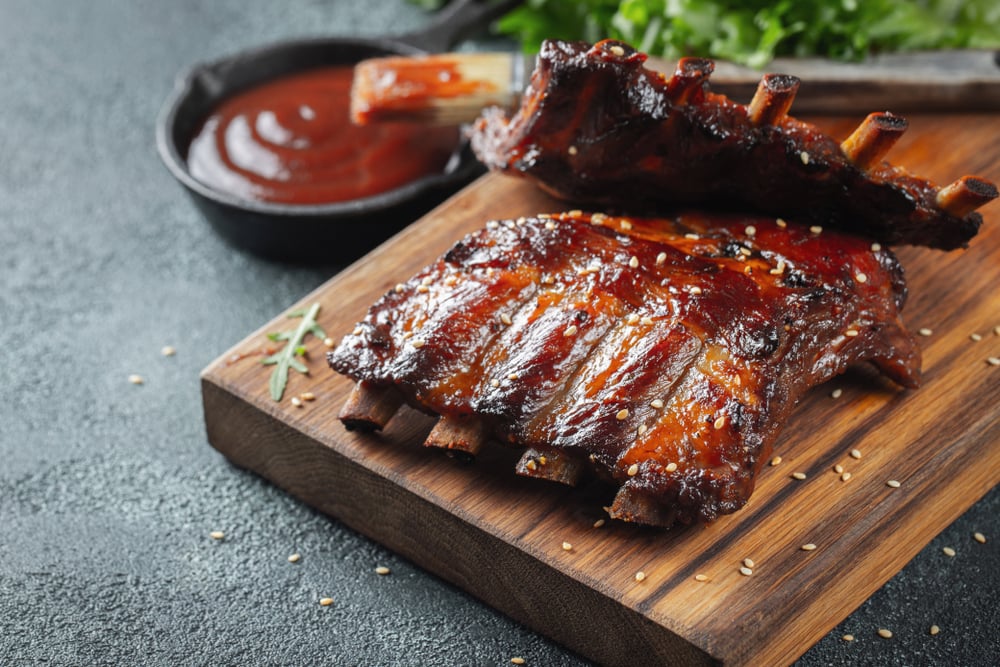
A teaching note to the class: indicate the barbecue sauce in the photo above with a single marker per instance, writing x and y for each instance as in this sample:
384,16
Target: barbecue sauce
291,141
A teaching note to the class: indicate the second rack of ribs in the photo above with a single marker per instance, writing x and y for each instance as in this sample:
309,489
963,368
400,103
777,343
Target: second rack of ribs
663,355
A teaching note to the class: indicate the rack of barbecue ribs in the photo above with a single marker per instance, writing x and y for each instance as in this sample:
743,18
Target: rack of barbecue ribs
597,128
662,355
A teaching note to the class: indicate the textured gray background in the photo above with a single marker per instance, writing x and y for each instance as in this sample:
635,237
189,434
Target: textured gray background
108,491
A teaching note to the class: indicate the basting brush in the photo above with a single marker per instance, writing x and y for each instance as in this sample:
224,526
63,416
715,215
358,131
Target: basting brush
452,88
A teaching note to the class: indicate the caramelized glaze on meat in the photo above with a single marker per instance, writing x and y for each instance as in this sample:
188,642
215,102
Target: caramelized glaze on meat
661,354
596,127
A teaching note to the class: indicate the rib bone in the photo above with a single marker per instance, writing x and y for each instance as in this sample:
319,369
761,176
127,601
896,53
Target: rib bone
633,504
689,79
551,464
966,195
872,140
773,99
370,407
464,435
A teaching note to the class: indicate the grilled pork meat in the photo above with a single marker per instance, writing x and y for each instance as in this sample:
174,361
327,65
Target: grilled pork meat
663,355
596,127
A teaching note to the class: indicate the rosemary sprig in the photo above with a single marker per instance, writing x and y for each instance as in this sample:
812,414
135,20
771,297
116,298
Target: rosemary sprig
284,358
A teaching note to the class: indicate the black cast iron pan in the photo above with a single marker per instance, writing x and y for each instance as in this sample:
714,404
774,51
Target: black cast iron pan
337,232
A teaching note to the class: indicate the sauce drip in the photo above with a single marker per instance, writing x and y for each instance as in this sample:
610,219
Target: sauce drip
291,141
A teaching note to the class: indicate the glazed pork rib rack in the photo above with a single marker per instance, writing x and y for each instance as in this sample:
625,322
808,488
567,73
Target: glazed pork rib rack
598,128
662,355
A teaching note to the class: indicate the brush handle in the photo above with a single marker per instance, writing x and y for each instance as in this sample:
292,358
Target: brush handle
456,21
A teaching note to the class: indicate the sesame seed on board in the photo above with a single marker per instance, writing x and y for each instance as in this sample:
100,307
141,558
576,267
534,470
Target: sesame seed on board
382,570
979,537
217,535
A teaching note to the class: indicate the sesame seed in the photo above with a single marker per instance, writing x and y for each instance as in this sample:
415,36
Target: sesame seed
357,331
423,289
505,318
695,290
893,484
450,281
622,414
217,534
934,630
168,351
781,223
779,269
617,50
700,577
382,570
294,558
542,460
671,467
661,258
296,401
512,376
876,247
417,343
838,468
492,224
719,422
691,237
837,393
656,403
625,224
325,602
640,575
517,660
567,546
633,262
750,230
848,638
925,332
776,461
550,225
426,280
993,361
746,252
746,571
816,229
799,475
975,337
308,396
748,562
531,465
949,552
855,453
979,537
572,150
399,288
851,333
329,342
885,633
642,429
598,217
632,318
598,523
808,547
646,321
861,278
845,477
494,382
633,470
804,157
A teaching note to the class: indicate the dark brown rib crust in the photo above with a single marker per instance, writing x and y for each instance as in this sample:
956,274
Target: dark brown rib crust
662,354
598,128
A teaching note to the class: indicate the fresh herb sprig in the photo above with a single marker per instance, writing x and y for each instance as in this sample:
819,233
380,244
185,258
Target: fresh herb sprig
285,358
753,32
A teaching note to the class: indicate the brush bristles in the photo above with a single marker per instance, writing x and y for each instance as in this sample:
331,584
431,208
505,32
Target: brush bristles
446,89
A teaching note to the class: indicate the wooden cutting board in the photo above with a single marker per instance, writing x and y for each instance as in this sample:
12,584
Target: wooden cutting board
501,537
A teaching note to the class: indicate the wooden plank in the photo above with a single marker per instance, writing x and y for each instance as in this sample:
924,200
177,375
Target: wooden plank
501,537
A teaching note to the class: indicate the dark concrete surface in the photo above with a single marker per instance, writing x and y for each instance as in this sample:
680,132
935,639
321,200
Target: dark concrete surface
108,491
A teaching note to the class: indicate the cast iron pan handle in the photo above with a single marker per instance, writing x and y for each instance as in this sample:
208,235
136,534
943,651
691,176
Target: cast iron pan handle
456,21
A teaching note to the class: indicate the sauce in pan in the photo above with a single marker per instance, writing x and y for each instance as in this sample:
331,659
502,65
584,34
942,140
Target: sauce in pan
291,141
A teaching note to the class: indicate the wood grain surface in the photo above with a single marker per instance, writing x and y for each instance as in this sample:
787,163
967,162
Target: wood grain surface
500,537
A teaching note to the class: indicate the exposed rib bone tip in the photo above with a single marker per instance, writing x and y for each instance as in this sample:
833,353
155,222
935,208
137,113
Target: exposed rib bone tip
458,434
774,97
689,77
551,464
632,504
966,195
369,407
872,140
